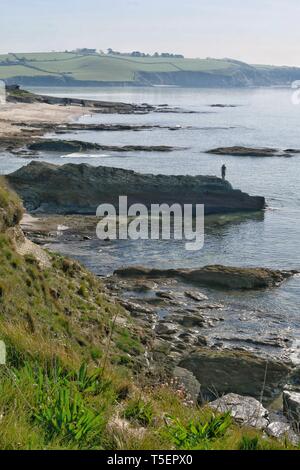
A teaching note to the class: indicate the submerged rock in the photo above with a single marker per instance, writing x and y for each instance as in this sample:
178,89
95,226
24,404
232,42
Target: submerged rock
238,151
243,373
78,127
228,277
42,187
245,410
220,105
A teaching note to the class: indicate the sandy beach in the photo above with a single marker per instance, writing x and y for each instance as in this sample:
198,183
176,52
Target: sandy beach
12,115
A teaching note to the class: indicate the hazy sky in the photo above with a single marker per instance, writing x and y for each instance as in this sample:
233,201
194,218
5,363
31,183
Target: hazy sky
256,31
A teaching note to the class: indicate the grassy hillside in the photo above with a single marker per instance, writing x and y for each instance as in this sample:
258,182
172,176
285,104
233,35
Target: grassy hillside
70,68
76,376
100,67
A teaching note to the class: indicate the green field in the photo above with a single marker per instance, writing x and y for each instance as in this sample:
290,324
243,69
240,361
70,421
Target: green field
101,67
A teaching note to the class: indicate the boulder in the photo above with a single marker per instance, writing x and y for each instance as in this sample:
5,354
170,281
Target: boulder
136,308
42,186
245,410
165,329
291,407
189,321
165,295
196,296
189,382
283,431
224,371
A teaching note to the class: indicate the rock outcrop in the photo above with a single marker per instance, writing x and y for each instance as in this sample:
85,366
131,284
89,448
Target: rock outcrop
11,211
215,276
253,152
81,188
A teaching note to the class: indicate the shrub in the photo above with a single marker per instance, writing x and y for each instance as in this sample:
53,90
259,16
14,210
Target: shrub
66,415
193,434
83,292
90,382
58,404
96,353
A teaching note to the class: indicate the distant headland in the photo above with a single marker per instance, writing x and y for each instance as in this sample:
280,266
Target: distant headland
90,67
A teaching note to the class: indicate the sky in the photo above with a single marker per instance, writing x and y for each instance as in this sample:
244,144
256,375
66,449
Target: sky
255,31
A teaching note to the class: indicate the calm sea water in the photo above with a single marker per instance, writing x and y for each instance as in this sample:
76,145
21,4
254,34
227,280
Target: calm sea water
263,117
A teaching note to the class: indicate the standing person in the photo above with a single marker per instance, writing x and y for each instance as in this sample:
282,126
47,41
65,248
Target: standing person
223,170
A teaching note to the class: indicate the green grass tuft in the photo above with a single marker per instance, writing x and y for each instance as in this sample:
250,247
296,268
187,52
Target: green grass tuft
139,412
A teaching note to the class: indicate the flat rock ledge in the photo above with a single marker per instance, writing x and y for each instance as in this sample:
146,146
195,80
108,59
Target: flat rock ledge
75,146
215,276
238,151
42,186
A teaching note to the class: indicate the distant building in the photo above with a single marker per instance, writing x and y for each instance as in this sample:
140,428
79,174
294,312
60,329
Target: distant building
172,56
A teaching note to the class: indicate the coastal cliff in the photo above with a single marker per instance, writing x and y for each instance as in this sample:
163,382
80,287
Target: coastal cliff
109,70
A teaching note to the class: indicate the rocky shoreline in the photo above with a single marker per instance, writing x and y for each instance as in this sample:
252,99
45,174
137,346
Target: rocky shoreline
255,381
29,116
182,321
17,95
188,340
191,340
